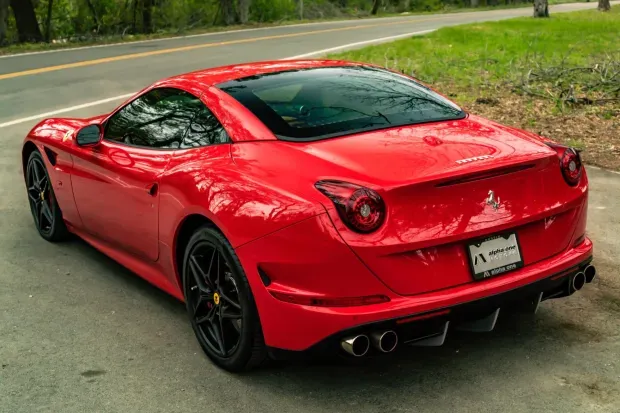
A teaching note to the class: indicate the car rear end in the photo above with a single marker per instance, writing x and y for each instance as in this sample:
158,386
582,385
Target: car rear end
433,218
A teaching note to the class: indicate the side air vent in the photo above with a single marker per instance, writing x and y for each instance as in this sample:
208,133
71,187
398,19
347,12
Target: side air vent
264,277
484,175
51,155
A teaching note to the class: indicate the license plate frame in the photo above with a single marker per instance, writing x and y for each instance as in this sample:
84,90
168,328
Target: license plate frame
482,252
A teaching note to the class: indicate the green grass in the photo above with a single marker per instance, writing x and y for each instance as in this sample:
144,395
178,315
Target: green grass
33,47
557,77
489,54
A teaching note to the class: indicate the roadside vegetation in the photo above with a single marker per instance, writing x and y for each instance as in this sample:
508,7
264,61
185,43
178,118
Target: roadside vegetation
557,77
28,25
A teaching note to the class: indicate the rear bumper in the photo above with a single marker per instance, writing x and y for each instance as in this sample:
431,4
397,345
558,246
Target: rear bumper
430,328
298,328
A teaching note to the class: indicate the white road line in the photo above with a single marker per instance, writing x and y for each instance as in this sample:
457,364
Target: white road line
101,102
64,110
353,45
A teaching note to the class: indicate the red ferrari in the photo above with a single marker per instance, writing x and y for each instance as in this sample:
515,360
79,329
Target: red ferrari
306,206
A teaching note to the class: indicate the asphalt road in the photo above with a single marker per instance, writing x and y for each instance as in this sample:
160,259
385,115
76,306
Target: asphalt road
78,333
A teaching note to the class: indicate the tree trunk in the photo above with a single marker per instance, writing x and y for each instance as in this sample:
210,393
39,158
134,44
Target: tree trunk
48,21
244,10
301,9
4,15
94,12
541,8
228,12
603,5
26,20
147,16
135,19
475,3
375,7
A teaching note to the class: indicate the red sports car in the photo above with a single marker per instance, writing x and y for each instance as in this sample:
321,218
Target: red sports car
316,205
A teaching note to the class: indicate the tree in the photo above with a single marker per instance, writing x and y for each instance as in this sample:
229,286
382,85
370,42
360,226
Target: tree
375,7
228,11
603,5
48,21
4,15
93,11
243,8
26,20
541,8
147,16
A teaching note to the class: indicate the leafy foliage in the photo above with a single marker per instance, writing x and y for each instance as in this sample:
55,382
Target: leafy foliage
79,20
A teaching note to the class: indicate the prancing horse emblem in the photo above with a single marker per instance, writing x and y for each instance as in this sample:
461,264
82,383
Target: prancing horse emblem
491,200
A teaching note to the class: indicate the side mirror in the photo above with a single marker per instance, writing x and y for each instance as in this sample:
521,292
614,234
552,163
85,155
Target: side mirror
89,135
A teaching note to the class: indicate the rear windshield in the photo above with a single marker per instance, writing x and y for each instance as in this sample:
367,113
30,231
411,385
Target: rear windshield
320,103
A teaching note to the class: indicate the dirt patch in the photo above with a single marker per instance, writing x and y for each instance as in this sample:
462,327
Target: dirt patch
610,301
92,373
595,130
599,389
581,333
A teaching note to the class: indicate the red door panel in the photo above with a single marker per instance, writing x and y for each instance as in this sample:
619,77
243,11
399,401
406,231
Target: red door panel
116,193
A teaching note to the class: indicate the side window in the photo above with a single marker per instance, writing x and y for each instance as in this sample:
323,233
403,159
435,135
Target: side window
204,130
157,119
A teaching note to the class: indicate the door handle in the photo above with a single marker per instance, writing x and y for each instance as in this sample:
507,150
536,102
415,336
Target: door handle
152,189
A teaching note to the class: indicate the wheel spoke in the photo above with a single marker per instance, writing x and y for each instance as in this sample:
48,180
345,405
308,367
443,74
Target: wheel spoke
208,317
215,332
47,212
203,282
218,280
209,276
32,197
230,301
32,179
42,184
35,170
222,335
202,298
40,215
227,314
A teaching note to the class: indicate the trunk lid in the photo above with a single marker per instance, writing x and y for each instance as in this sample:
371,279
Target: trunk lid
435,180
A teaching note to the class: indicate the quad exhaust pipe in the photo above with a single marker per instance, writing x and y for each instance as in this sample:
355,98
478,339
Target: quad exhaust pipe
357,346
576,283
384,341
387,341
590,273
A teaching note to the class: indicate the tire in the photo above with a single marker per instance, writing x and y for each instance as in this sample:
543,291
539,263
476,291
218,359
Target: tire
211,304
43,204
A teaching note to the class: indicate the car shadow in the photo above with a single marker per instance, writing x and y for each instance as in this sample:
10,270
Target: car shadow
521,344
128,279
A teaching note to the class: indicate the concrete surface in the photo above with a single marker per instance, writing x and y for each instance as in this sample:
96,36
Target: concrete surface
78,333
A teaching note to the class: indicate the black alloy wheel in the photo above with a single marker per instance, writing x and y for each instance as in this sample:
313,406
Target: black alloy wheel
220,303
43,205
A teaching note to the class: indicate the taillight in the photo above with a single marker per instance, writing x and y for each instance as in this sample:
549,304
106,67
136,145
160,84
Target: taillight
360,208
570,163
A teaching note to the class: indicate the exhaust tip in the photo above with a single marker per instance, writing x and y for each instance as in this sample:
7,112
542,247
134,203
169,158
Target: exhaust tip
578,281
356,346
385,341
590,273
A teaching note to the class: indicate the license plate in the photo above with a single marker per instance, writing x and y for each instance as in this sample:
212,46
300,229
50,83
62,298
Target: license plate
494,255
